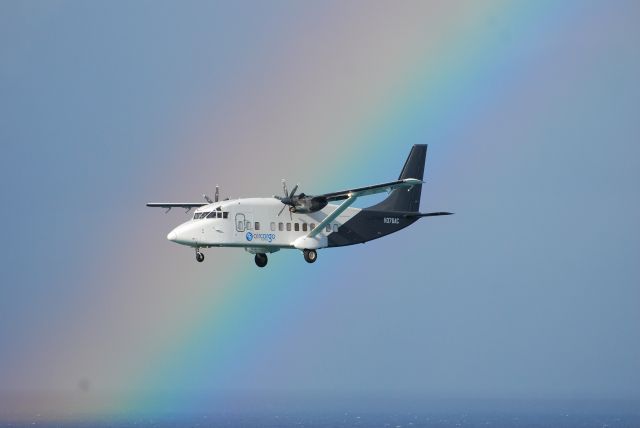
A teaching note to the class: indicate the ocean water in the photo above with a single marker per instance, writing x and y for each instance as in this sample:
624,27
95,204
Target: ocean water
356,419
328,410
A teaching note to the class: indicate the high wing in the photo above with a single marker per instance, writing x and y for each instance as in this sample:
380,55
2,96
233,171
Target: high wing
353,194
169,205
370,190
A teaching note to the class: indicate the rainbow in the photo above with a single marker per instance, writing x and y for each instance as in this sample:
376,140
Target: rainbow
338,101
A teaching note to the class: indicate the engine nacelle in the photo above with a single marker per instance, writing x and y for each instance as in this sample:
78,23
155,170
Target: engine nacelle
306,204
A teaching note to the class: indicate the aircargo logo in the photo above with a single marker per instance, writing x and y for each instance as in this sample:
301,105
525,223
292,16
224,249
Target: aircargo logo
260,236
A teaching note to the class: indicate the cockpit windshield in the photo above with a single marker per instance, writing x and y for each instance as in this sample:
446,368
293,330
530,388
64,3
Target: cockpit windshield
197,216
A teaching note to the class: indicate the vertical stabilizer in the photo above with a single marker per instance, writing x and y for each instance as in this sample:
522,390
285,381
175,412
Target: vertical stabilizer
403,199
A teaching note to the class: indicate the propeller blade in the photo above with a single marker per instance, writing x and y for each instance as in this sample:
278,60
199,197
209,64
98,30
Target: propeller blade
293,192
284,188
283,207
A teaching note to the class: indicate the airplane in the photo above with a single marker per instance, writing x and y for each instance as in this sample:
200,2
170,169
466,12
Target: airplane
312,223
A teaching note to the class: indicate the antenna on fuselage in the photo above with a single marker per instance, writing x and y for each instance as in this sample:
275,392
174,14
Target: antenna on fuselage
217,195
208,199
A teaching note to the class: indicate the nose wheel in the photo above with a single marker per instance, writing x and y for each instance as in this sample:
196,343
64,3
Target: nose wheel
310,256
261,260
199,256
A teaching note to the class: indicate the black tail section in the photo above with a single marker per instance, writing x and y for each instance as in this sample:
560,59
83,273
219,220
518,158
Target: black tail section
401,199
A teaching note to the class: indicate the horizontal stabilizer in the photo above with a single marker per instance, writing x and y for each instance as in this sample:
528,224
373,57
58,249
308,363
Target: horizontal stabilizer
412,215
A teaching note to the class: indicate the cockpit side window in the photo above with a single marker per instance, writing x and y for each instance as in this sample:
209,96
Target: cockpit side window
212,214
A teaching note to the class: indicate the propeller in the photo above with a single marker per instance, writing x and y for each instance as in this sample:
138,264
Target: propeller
289,198
300,203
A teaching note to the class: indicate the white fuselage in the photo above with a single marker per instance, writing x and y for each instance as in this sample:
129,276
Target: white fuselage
254,224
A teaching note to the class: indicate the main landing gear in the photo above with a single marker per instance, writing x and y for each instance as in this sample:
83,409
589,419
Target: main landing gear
199,256
310,255
261,260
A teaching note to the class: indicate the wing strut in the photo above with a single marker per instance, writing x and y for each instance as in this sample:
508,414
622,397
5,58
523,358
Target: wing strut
328,219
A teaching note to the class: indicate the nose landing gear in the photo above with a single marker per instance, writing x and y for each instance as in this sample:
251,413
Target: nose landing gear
261,260
199,256
310,255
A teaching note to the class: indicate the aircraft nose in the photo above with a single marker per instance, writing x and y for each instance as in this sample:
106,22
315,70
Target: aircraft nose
183,235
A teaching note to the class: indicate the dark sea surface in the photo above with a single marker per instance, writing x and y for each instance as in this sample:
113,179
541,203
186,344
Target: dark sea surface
394,412
357,420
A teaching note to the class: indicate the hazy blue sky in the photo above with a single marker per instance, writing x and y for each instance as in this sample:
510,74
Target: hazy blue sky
532,116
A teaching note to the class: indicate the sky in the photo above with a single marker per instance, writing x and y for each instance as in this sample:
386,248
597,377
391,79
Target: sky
529,292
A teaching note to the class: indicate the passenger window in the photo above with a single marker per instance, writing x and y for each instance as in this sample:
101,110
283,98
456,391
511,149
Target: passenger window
257,225
280,226
312,226
288,227
225,215
335,227
304,227
273,226
248,225
296,227
327,228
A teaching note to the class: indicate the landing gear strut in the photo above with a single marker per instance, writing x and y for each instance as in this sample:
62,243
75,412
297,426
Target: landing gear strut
199,256
261,260
310,255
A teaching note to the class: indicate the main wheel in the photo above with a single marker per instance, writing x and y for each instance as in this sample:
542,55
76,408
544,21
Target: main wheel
310,255
199,257
261,260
